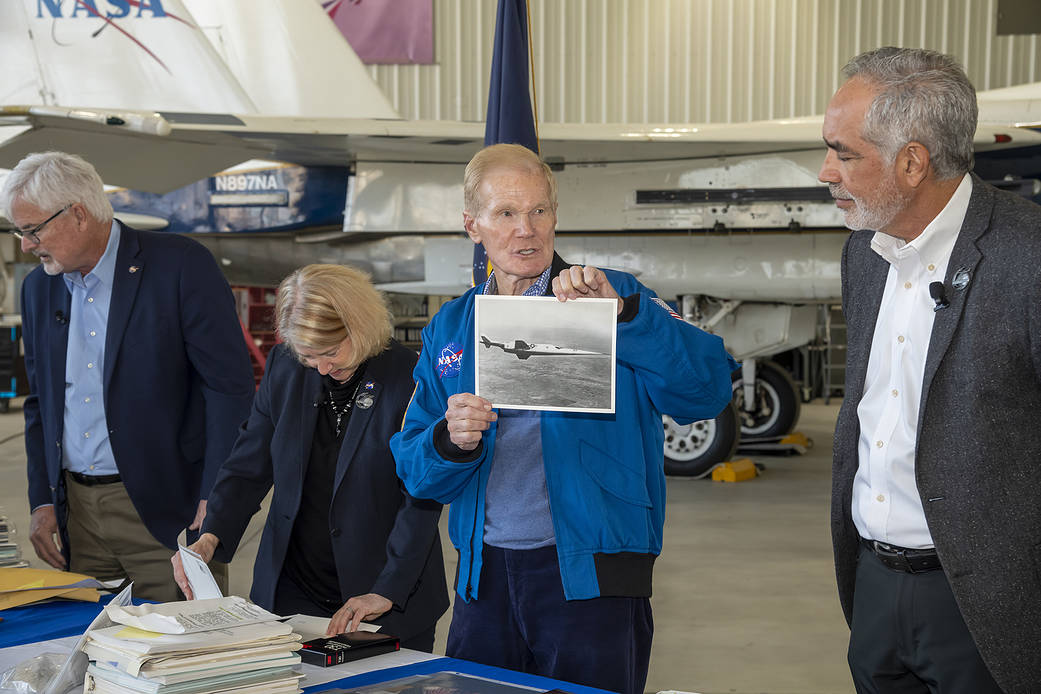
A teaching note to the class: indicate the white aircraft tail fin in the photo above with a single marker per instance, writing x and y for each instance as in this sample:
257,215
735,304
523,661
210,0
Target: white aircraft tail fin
147,55
291,59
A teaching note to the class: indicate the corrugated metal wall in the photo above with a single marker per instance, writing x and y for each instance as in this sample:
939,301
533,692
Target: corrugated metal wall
602,61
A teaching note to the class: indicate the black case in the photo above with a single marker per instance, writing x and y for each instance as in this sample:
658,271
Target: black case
344,648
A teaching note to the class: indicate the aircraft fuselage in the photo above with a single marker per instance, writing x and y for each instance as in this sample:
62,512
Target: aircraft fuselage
524,350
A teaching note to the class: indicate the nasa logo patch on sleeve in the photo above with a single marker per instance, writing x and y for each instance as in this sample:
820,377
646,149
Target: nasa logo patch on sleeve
449,360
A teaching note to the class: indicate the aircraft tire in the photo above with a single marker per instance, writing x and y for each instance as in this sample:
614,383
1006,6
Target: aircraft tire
777,402
694,449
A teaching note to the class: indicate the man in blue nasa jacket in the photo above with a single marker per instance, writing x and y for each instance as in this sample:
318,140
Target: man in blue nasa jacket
557,516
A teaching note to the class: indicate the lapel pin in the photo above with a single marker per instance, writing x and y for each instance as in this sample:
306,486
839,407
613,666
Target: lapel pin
364,400
369,385
133,269
961,279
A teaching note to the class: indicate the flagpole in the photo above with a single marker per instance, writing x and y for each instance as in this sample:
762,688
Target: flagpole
531,70
511,91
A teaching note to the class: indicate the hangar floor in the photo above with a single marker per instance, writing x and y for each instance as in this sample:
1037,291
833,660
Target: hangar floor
744,599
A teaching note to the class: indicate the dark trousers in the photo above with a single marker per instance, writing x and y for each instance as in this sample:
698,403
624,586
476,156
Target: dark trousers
290,600
522,622
908,636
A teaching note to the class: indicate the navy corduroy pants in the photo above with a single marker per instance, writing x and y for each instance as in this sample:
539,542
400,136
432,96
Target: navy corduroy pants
522,622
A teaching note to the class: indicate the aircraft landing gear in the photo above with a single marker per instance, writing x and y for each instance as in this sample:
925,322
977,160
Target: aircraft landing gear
770,408
692,450
765,402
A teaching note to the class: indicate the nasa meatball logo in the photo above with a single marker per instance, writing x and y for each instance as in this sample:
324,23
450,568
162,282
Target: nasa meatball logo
448,362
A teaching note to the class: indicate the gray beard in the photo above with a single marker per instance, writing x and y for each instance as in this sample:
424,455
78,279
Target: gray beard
874,218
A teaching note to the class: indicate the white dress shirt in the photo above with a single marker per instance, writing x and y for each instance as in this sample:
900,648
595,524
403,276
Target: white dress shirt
886,503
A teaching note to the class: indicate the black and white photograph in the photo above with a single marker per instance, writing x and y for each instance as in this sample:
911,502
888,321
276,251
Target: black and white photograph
538,353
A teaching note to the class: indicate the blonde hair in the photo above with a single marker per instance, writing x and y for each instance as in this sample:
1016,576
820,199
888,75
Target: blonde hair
318,306
502,156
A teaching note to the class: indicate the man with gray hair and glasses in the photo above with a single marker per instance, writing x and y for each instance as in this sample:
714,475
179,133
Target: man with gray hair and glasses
138,377
936,501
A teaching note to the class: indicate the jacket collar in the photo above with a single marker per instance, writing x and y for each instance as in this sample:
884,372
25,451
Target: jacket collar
557,266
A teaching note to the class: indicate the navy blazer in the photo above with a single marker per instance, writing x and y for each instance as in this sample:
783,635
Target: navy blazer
177,378
384,541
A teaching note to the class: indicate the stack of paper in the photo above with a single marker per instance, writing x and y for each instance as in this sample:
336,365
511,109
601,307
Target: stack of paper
226,645
10,555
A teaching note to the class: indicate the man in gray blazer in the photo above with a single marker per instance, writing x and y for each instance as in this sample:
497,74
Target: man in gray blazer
936,500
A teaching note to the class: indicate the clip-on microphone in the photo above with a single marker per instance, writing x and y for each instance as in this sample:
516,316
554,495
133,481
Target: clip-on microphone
936,291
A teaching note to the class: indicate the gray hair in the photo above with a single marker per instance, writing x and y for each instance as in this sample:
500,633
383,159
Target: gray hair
923,96
52,180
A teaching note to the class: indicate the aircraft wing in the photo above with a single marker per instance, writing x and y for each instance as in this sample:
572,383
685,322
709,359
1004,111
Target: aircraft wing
162,151
1019,104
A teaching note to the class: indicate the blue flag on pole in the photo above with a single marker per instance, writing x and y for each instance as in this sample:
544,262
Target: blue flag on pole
509,117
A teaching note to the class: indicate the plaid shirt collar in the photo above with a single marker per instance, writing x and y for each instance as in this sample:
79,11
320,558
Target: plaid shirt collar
536,289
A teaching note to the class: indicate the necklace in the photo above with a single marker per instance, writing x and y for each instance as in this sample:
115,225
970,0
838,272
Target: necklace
342,410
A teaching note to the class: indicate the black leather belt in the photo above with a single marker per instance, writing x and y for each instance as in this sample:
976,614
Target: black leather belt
93,480
912,561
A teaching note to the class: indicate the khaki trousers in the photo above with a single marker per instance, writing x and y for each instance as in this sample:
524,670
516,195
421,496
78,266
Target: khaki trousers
108,540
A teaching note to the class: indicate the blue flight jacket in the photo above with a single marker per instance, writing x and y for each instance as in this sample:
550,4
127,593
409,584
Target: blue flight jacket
604,472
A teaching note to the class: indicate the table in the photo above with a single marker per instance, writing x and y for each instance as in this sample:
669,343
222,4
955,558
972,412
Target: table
42,622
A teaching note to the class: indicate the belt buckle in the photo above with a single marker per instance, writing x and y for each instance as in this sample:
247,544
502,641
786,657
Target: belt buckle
883,550
898,558
892,557
910,566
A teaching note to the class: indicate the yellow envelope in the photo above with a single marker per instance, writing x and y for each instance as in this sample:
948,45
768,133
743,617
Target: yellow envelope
25,586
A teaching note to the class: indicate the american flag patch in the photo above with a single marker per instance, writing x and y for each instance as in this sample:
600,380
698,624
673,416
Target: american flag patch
667,308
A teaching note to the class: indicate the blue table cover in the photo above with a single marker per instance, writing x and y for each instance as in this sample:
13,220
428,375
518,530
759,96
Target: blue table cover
50,620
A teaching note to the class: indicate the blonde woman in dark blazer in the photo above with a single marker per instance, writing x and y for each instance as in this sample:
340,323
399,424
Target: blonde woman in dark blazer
343,539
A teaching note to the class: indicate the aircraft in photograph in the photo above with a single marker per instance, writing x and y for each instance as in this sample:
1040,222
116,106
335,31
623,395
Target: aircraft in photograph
523,349
251,125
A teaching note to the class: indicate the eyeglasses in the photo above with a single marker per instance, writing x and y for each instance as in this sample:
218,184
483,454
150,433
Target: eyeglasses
34,233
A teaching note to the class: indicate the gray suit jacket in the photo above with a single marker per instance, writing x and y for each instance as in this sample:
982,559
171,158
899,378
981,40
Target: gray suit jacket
978,455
